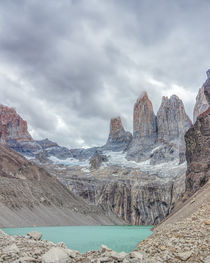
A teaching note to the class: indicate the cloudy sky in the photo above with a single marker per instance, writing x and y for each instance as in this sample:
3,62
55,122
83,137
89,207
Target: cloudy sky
68,66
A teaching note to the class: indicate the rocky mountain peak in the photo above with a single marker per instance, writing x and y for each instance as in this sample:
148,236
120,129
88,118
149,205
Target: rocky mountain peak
116,127
118,137
172,120
202,99
12,126
144,119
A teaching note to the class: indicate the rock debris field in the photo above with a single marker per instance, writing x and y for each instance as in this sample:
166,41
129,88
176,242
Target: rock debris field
185,241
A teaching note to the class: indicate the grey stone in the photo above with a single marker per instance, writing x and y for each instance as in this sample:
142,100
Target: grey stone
55,255
35,235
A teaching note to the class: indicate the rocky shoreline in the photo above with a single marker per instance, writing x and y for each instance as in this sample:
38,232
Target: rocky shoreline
183,237
28,249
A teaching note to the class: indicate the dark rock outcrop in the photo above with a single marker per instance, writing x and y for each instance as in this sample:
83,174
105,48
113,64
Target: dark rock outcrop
198,152
198,147
97,160
201,104
118,139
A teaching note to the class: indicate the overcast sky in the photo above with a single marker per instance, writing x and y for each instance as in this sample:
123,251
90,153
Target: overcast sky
68,66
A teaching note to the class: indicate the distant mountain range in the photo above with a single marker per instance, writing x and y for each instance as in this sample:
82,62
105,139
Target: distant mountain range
138,177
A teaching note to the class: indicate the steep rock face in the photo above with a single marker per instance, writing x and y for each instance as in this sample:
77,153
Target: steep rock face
137,201
119,139
207,87
144,129
172,121
201,104
198,152
144,119
12,126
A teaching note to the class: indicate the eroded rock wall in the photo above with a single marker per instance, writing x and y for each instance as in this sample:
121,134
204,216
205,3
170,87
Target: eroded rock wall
137,201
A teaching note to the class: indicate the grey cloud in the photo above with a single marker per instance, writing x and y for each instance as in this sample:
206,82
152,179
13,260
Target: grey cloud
68,66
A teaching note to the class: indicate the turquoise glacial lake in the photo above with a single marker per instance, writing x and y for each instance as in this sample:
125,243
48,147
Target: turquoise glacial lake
86,238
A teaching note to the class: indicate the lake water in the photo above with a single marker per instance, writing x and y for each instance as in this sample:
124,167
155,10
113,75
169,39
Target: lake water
86,238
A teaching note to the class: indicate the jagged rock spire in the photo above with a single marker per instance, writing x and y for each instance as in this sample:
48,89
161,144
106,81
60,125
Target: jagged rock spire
144,120
118,138
172,120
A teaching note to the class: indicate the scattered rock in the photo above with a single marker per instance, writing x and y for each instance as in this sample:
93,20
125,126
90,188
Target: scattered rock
207,260
104,249
11,249
55,255
136,254
25,260
184,255
35,235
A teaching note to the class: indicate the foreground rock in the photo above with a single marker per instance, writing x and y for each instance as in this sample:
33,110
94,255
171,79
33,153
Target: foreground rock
184,236
35,235
21,250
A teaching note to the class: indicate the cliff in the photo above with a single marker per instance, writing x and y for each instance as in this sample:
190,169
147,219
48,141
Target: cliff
144,129
198,147
159,138
201,104
12,126
172,120
29,196
198,152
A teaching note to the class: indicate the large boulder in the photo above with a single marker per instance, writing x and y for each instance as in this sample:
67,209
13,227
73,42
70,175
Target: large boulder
35,235
56,255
